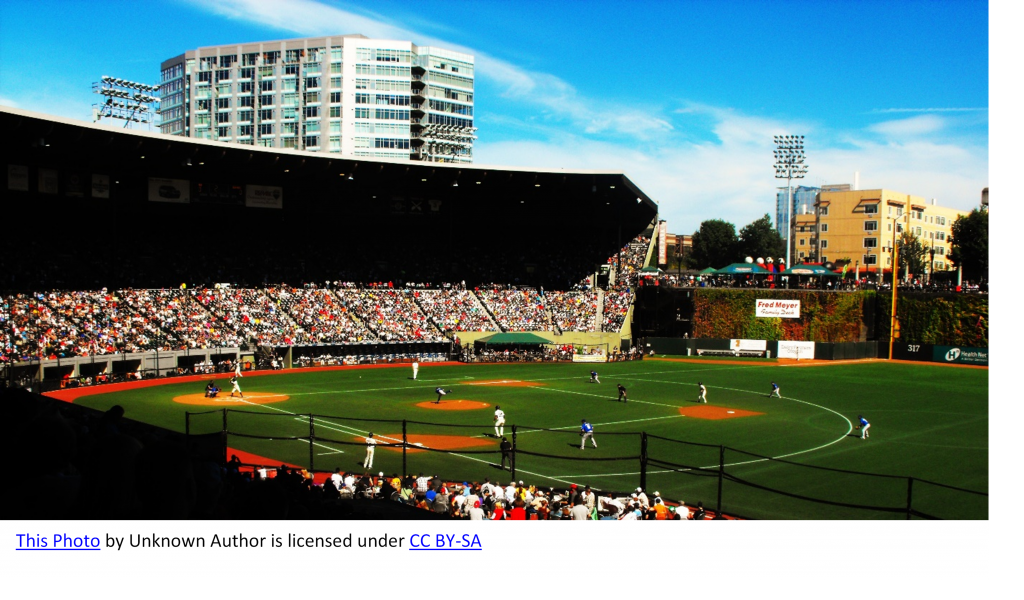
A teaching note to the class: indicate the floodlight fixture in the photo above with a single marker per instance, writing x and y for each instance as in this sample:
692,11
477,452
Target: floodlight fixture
789,165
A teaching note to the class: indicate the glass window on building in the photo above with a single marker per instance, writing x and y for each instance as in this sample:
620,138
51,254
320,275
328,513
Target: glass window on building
870,225
870,242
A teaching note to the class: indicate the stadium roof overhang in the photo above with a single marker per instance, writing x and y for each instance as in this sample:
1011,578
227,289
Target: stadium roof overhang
54,164
35,139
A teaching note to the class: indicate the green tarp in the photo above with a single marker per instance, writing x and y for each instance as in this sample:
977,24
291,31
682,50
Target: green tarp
742,269
520,339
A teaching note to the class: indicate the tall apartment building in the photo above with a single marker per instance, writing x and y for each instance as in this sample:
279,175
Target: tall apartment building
859,224
346,94
803,201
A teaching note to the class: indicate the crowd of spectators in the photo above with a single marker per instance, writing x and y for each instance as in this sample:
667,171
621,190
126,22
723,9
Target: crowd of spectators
517,310
616,306
60,324
516,501
321,317
629,261
573,311
391,314
454,309
249,313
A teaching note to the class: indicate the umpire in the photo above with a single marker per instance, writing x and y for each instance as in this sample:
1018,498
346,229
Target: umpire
506,452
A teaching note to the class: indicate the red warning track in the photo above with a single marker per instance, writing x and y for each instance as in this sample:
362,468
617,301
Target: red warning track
714,413
72,394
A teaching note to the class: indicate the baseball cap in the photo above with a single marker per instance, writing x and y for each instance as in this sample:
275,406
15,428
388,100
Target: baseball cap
431,495
638,490
476,504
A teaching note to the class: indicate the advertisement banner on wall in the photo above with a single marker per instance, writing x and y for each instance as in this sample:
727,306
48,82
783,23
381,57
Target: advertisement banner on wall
786,309
960,355
264,196
17,178
797,350
74,185
748,345
589,358
663,243
48,181
169,190
100,186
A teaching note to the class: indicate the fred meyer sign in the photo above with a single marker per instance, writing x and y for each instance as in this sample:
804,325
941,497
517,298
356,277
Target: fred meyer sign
960,355
786,309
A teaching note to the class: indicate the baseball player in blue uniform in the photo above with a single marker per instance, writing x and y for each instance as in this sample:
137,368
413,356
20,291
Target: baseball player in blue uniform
775,391
587,430
593,377
864,426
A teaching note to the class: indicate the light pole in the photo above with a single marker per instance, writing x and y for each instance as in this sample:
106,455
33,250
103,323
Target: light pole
931,263
789,165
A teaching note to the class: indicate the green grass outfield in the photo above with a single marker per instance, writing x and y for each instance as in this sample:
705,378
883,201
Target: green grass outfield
929,422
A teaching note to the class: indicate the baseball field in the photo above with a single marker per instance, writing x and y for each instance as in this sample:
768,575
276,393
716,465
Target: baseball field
796,457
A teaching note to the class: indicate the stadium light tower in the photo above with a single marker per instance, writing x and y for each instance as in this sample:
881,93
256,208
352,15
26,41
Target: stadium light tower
789,165
126,100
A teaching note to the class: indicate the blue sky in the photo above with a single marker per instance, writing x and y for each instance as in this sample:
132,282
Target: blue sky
682,96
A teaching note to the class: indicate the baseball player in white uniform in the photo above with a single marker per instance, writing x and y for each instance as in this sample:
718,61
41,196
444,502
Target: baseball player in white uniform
235,388
370,445
415,370
499,421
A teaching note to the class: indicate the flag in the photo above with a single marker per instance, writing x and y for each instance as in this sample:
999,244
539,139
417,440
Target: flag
845,267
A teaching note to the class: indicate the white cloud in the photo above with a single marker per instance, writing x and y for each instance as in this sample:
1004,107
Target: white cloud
731,176
911,127
4,101
929,110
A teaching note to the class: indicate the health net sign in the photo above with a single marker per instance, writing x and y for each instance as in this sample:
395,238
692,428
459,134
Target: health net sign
786,309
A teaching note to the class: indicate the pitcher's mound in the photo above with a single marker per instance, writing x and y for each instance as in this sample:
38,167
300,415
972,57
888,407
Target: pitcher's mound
223,399
706,411
454,405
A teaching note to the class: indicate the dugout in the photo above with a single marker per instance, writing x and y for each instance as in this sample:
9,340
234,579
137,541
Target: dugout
524,345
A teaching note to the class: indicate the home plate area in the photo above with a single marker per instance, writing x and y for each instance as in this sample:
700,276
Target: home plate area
707,411
224,399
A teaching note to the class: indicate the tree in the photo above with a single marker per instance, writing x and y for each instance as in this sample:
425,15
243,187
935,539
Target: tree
714,245
761,240
970,245
912,253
